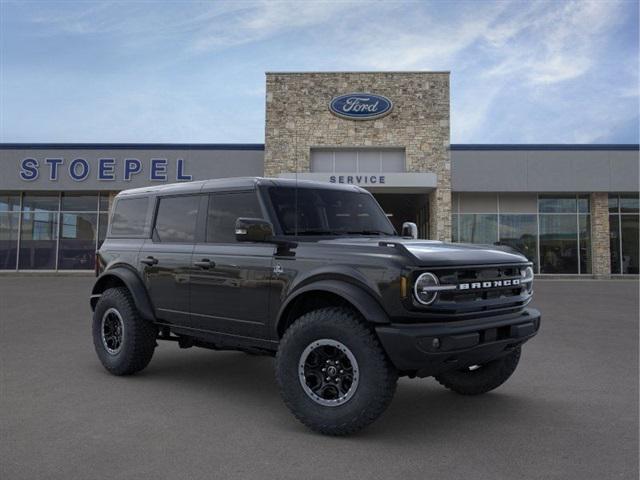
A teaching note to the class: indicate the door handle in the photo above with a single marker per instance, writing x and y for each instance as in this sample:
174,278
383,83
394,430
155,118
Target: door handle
204,263
149,260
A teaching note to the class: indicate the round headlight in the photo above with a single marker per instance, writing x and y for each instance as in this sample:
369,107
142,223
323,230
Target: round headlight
526,274
424,290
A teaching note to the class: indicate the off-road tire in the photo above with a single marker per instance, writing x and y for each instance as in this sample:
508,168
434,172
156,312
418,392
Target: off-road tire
486,378
377,376
139,339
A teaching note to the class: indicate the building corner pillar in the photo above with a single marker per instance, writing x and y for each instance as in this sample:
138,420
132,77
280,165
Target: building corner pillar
440,215
600,241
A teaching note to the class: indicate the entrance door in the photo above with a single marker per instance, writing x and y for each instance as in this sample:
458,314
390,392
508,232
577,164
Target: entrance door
402,207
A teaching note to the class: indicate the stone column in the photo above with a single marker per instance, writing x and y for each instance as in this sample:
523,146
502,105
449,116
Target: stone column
600,248
440,215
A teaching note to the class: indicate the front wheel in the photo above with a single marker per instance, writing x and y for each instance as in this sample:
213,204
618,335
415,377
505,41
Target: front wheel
332,372
479,379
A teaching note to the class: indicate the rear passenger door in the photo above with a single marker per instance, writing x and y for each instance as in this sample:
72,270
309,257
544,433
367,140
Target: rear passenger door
166,257
230,288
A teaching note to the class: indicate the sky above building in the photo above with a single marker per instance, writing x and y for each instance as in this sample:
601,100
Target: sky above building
521,72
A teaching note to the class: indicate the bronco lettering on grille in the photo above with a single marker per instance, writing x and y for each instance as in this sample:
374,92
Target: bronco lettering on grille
512,282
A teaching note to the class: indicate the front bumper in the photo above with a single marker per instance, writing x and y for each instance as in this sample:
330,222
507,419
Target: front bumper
429,349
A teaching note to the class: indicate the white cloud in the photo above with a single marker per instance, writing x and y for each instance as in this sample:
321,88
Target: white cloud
510,61
547,43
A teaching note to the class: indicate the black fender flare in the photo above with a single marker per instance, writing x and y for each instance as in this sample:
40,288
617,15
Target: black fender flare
357,296
134,284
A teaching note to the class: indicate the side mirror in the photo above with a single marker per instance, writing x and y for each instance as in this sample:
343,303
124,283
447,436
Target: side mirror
253,230
410,229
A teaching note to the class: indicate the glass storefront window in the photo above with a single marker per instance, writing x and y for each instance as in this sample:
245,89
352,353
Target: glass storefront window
47,202
77,241
79,202
521,233
558,244
455,236
346,161
104,202
583,204
352,160
9,202
584,223
565,233
623,233
614,242
629,243
51,230
38,240
478,228
557,204
629,204
369,161
9,222
393,161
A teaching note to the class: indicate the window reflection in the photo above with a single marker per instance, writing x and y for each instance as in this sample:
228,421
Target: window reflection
79,202
558,244
557,204
630,245
38,240
623,233
8,240
9,202
40,202
77,241
629,204
585,243
614,242
478,228
521,233
59,229
104,201
455,235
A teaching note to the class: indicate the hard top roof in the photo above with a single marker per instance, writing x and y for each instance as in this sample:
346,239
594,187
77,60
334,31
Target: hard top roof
234,183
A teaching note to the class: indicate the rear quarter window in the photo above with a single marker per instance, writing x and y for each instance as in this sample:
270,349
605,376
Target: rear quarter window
176,219
130,217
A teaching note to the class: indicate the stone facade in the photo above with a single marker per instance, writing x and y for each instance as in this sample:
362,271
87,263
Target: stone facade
298,119
600,248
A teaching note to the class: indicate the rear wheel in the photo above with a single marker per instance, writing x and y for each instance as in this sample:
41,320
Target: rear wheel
123,340
479,379
332,372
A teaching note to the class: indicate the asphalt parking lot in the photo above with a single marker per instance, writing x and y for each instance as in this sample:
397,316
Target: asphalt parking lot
569,412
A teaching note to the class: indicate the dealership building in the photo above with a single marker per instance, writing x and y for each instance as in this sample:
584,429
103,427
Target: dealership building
571,209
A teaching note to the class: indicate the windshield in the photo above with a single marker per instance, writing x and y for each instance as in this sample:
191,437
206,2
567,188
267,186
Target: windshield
328,212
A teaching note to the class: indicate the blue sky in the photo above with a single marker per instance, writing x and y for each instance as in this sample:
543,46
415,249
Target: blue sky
521,72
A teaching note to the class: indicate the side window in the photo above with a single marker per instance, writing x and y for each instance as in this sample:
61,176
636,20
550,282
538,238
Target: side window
129,217
176,219
225,209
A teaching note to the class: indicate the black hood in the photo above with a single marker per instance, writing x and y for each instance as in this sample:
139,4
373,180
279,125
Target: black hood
435,254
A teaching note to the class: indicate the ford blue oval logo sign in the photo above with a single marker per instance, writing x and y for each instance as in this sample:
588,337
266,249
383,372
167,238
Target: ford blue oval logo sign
360,106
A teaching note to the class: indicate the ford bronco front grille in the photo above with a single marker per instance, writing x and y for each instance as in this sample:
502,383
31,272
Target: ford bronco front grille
474,290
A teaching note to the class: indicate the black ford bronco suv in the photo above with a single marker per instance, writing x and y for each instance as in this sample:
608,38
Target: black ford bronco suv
316,275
